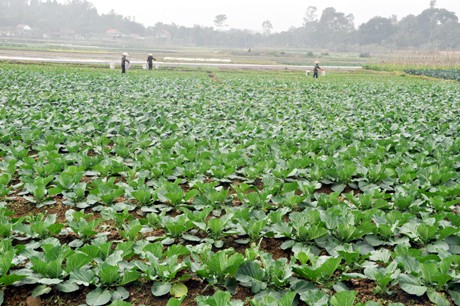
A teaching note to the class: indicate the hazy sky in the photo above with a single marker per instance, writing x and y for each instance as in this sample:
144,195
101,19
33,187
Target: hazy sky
250,14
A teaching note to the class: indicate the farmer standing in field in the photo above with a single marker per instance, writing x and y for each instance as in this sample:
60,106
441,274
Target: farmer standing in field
316,69
150,60
124,62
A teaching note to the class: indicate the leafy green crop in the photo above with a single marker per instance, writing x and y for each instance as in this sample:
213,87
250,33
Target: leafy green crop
291,188
448,74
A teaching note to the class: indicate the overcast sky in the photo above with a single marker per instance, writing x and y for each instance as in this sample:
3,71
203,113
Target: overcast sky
250,14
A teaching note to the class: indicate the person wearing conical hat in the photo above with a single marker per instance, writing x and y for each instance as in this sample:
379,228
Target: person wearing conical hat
150,60
124,62
316,69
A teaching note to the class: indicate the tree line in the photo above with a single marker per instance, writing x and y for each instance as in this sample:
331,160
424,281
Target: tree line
79,16
434,28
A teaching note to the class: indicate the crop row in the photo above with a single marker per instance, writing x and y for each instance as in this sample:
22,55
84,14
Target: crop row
166,249
448,74
170,178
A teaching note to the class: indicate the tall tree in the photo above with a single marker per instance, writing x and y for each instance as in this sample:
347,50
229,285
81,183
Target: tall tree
267,27
427,29
219,21
430,19
310,24
13,12
310,15
375,30
334,26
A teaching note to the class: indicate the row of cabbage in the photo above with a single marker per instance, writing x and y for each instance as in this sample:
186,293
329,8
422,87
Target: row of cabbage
328,248
448,74
354,178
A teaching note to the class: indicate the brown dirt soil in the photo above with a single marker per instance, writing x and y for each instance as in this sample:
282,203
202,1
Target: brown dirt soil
366,288
22,208
273,246
140,294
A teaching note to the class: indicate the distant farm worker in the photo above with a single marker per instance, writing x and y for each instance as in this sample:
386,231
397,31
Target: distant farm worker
150,60
316,69
124,62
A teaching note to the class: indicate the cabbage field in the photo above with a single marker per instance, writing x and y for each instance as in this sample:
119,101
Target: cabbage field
448,74
227,188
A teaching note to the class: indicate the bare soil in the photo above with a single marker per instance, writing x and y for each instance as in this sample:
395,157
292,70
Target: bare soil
140,293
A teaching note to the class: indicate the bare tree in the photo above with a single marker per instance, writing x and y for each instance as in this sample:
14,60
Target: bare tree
267,27
219,21
310,15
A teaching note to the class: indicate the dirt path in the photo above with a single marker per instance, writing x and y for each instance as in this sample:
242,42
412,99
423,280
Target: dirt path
112,61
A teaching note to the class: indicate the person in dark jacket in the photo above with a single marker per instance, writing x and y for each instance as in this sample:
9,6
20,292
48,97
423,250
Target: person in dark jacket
316,69
150,60
124,62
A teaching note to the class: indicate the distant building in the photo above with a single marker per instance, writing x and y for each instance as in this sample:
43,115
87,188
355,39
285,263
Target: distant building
23,27
23,30
69,34
7,31
136,37
113,33
163,35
